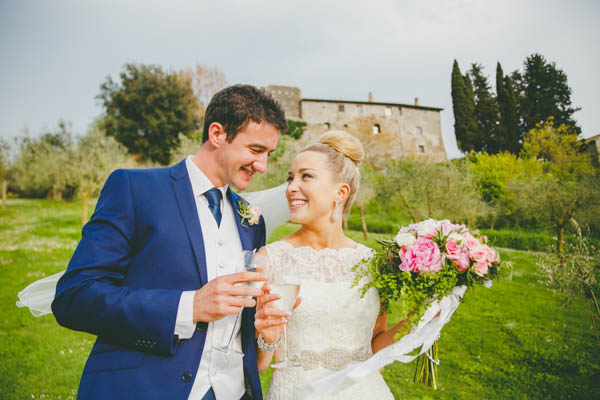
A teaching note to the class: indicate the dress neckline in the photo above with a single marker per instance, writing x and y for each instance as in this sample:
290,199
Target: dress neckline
325,250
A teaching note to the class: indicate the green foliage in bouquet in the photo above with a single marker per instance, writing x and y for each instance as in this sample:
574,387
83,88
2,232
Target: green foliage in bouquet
412,292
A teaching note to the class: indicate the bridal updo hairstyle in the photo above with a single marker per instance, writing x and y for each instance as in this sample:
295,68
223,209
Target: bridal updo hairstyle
344,153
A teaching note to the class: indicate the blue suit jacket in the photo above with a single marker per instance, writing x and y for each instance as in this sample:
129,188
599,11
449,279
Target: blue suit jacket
142,247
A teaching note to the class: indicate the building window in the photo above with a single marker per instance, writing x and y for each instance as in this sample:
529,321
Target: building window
346,126
388,111
376,129
327,126
340,107
419,130
421,149
400,111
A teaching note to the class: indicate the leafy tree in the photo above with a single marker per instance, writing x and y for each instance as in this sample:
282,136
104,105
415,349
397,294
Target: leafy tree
40,167
486,112
96,156
365,194
464,110
577,274
543,92
568,185
494,175
148,110
4,169
432,190
508,129
205,82
295,128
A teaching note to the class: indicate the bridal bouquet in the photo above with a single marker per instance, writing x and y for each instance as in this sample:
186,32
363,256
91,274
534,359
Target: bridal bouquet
425,262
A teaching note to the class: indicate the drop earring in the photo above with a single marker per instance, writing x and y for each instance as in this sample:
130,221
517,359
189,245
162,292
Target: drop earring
337,212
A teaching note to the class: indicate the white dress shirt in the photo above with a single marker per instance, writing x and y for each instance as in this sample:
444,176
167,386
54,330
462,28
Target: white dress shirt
223,250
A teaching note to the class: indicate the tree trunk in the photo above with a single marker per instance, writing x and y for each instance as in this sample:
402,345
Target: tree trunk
84,208
410,211
4,186
363,222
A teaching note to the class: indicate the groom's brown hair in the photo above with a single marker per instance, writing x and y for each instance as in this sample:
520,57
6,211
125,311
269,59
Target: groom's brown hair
235,106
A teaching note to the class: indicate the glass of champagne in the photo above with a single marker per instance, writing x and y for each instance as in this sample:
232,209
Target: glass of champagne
252,262
286,283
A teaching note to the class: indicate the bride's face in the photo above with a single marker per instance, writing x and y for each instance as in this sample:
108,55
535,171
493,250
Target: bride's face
312,191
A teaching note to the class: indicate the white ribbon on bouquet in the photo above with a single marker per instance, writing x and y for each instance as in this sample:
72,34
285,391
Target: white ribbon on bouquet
423,335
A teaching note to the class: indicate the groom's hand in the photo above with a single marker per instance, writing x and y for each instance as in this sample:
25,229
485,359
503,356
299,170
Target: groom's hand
221,296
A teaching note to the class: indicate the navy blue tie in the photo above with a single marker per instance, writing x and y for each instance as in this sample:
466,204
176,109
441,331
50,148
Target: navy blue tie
214,203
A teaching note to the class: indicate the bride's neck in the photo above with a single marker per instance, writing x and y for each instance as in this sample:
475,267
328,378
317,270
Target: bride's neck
322,236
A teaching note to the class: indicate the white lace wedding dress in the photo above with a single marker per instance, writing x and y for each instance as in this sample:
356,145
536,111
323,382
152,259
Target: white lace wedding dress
332,327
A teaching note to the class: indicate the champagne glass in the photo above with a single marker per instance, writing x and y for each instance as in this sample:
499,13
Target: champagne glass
286,283
252,262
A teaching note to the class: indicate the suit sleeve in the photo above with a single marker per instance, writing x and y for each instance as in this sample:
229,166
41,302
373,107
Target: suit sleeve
92,296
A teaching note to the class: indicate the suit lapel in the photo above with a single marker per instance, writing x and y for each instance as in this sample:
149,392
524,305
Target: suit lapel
246,234
182,188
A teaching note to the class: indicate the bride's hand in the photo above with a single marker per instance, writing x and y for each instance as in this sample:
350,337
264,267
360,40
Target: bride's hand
270,319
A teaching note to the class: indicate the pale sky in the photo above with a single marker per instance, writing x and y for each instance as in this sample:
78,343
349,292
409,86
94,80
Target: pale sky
55,54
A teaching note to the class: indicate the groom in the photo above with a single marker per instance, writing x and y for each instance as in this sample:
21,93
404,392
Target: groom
154,273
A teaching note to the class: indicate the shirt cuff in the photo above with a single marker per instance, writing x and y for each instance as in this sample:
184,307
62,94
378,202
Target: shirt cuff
184,325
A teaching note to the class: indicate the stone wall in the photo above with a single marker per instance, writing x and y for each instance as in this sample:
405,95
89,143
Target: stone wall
386,130
289,98
390,131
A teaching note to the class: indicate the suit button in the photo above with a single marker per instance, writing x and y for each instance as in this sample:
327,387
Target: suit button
201,326
187,376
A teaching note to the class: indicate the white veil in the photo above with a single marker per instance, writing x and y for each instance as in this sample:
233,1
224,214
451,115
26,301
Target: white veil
38,296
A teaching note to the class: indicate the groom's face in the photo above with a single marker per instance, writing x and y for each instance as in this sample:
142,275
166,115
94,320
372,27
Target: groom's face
247,154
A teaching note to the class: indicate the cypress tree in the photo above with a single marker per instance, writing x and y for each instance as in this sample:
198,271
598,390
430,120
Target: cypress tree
458,107
470,122
508,129
546,93
486,112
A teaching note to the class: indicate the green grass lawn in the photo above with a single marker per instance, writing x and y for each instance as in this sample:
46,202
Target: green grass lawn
513,341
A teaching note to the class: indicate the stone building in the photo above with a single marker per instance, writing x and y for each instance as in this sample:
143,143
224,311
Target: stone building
592,145
387,130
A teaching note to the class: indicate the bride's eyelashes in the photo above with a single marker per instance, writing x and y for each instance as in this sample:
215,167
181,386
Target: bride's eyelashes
304,176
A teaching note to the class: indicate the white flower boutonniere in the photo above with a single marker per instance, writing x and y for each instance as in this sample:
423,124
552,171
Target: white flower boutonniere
249,213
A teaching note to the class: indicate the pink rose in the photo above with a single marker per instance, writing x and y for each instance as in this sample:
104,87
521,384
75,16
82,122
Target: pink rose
471,242
490,254
254,215
448,228
462,261
452,249
483,239
402,252
422,256
481,268
478,254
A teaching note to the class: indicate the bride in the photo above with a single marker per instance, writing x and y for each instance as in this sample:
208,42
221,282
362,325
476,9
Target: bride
333,326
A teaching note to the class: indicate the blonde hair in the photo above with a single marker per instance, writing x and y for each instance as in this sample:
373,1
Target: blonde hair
344,153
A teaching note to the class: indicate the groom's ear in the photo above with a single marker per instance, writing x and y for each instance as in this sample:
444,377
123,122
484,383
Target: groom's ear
216,134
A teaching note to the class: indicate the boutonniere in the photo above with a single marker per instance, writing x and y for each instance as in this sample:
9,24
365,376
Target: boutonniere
249,214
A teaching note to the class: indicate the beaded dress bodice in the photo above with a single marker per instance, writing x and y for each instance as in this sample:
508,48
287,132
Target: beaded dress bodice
333,325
